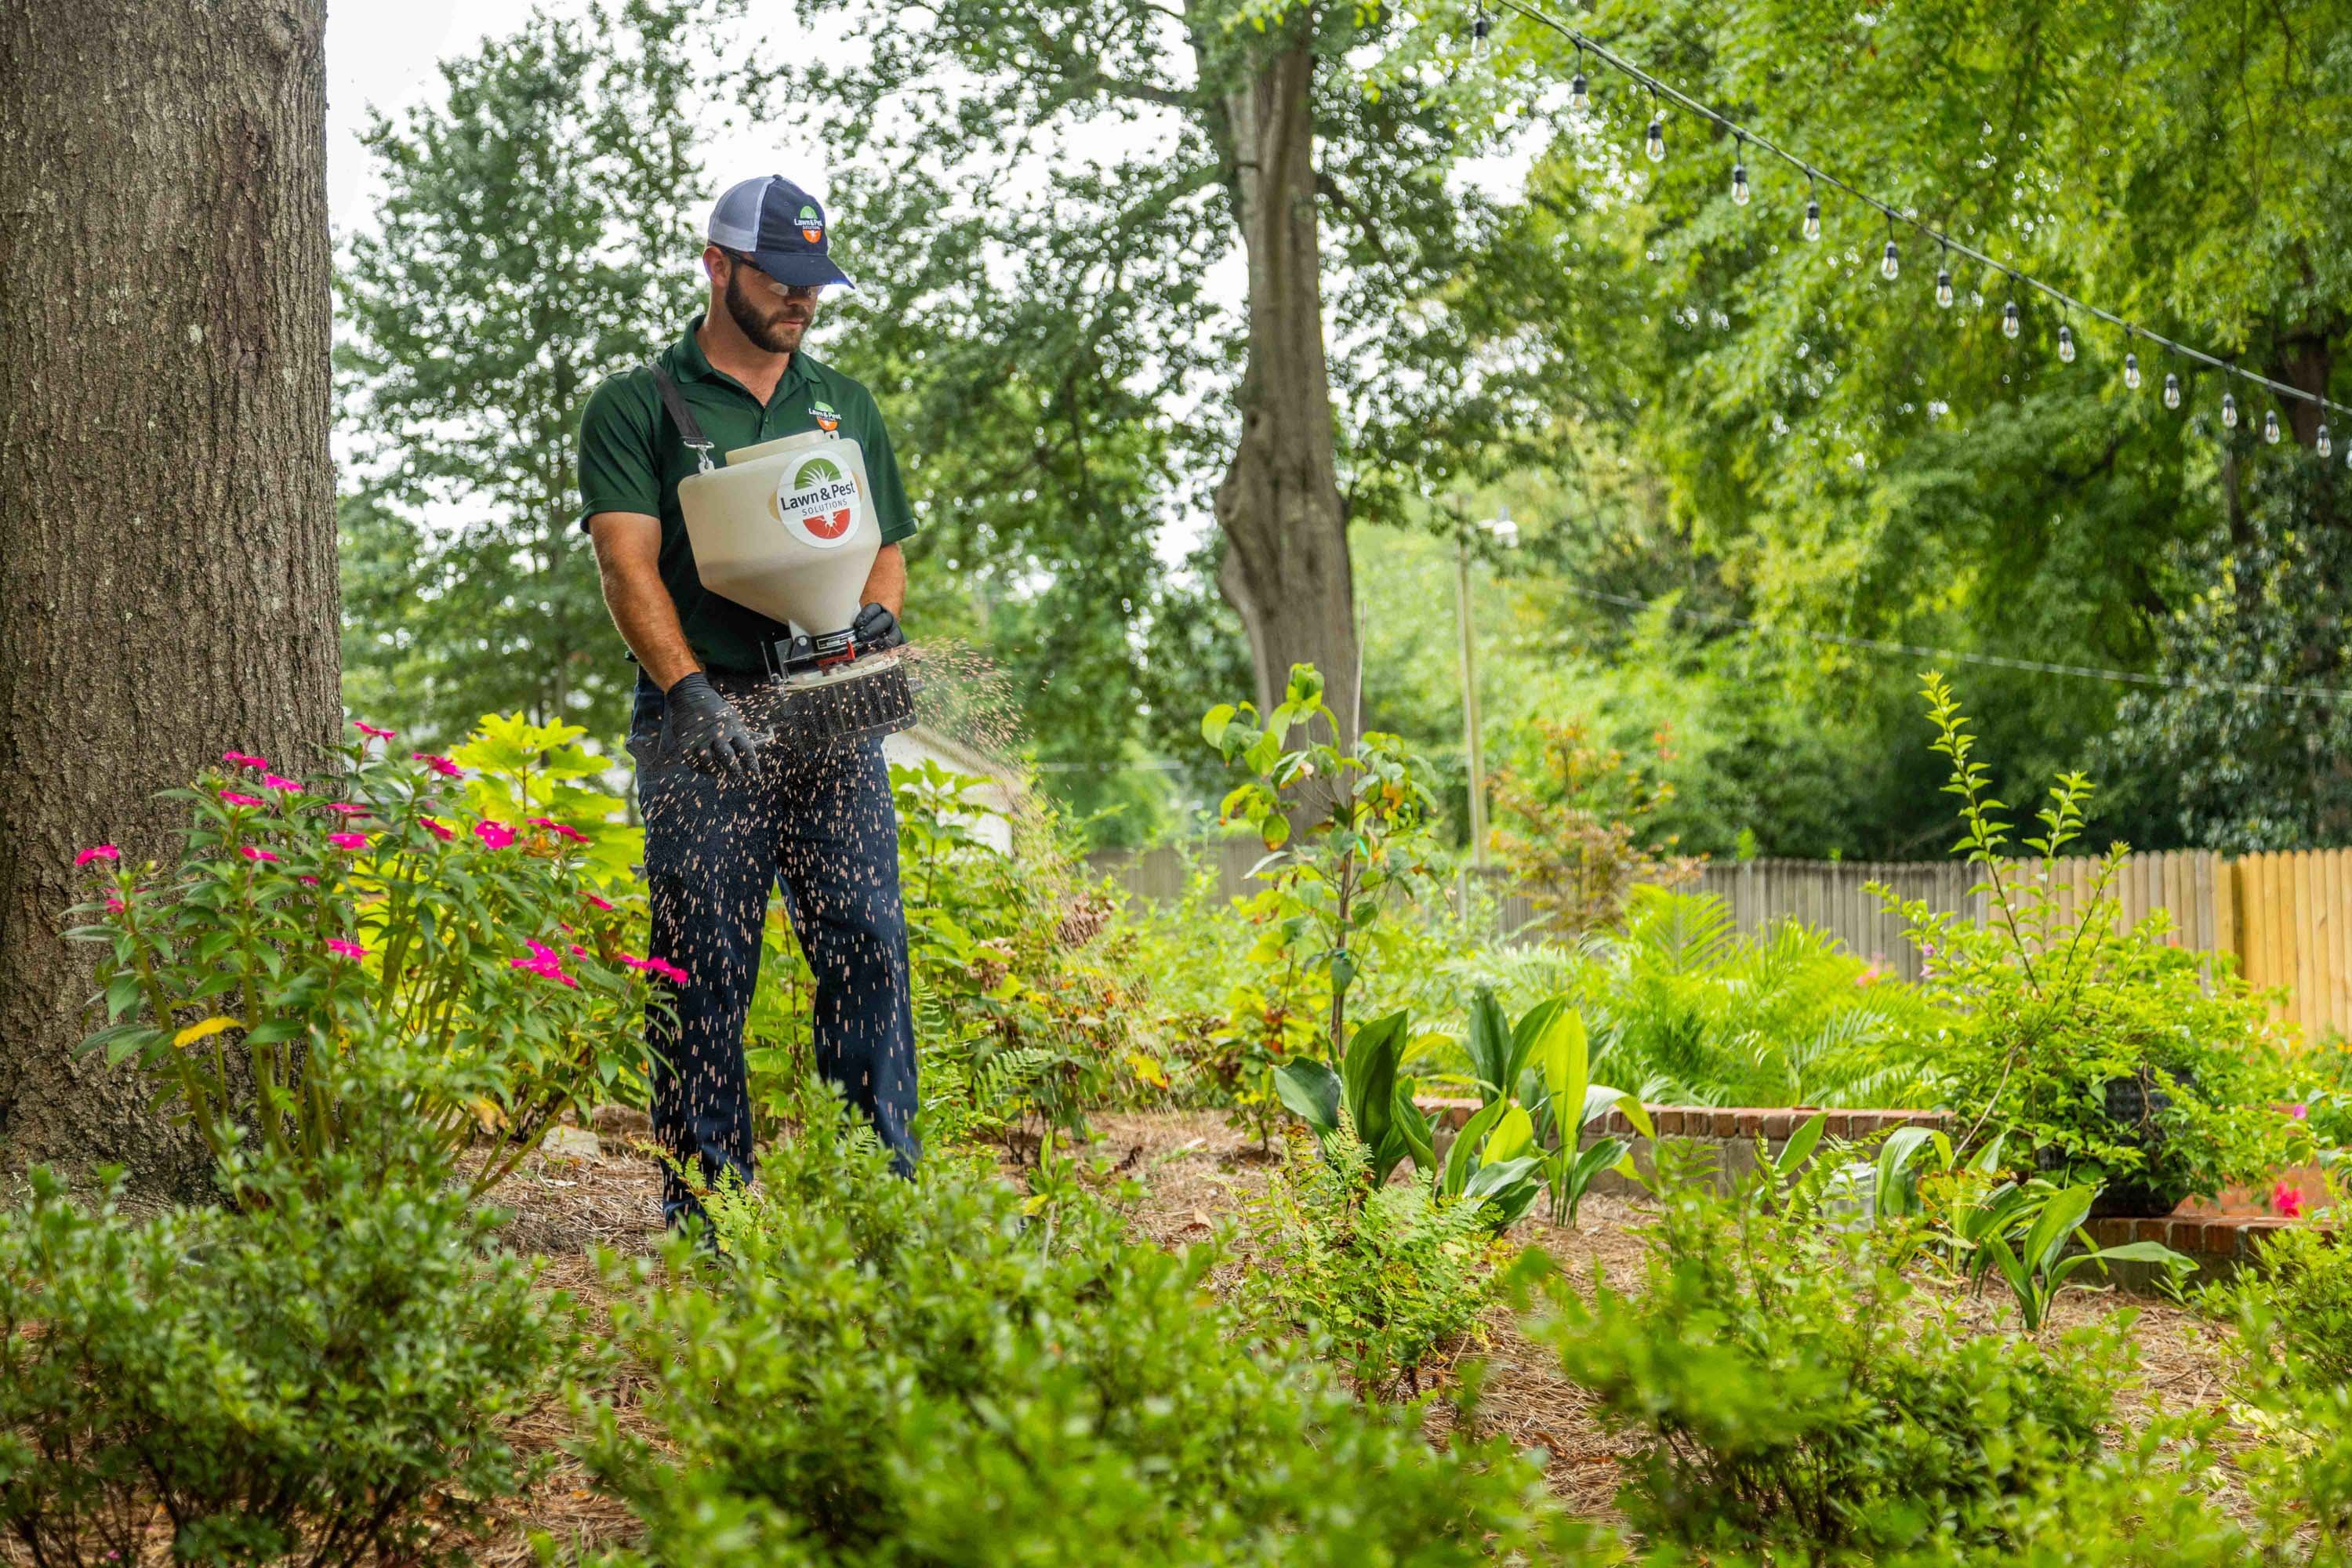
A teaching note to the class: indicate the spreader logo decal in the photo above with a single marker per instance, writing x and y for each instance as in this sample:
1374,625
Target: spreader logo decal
823,413
819,502
812,226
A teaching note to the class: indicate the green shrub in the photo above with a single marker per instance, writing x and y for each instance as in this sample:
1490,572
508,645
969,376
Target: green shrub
2293,1309
1382,1276
1787,1388
927,1371
2060,1004
327,1373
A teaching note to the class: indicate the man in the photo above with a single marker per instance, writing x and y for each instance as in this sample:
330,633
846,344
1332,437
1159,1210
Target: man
725,818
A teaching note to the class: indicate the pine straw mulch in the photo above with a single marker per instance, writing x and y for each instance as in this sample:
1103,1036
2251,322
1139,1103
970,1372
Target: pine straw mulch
1198,1171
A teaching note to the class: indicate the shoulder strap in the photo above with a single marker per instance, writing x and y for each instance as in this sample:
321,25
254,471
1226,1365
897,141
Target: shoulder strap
689,432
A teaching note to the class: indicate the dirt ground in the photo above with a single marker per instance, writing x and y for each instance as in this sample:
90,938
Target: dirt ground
1196,1171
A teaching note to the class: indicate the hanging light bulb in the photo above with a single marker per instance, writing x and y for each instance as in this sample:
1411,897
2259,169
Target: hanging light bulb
1812,211
2171,390
2323,444
1580,99
1889,264
1943,279
1656,142
2009,320
1739,175
2270,425
1478,27
2065,343
2229,411
2131,371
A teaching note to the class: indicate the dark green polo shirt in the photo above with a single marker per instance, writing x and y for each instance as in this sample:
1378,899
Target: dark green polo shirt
631,458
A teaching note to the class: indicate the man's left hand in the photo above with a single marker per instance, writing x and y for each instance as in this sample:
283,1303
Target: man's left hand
876,628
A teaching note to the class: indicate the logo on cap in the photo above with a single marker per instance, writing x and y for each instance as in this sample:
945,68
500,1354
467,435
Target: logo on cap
819,502
812,226
823,413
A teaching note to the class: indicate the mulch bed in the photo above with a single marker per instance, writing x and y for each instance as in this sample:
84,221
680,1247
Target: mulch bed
1197,1170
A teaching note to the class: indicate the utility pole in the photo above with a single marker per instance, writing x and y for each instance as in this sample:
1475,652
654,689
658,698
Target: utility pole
1477,760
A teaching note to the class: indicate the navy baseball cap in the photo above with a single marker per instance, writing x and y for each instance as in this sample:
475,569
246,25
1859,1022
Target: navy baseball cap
779,225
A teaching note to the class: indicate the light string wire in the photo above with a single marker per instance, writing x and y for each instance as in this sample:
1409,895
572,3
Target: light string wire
1815,173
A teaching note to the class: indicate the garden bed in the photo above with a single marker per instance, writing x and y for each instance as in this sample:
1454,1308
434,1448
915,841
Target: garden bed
1198,1173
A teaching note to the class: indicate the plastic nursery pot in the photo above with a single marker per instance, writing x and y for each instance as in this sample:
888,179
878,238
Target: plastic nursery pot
2132,1104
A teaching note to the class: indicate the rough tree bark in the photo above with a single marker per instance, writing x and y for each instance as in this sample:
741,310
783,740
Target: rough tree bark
1286,568
167,589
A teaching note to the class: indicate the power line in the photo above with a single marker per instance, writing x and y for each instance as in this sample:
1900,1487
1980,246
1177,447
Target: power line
1959,656
1816,176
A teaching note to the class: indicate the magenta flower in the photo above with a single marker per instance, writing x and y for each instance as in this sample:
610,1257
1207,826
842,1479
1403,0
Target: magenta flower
307,881
231,797
542,953
345,808
560,830
348,840
114,904
578,951
542,962
254,854
2299,1111
244,760
661,966
97,852
271,781
497,834
342,949
2287,1199
600,903
442,765
438,828
373,734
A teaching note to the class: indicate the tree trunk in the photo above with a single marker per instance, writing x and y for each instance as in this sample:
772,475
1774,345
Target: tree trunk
168,589
1286,568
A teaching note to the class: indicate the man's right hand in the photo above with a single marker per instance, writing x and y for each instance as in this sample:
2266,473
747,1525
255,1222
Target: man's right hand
701,727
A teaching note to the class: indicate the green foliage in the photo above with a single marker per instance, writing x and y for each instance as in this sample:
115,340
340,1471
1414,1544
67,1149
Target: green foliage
1382,1276
903,1372
540,775
329,1374
1789,1389
2293,1309
1366,1097
336,921
1687,1009
1573,831
1360,814
2058,1005
549,194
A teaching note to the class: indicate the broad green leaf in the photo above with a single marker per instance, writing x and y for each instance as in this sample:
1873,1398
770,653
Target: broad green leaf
1513,1136
2060,1216
1413,1125
1214,722
1466,1145
1312,1092
1489,1045
1800,1146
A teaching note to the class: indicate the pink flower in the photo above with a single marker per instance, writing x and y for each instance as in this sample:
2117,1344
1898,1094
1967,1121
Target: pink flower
560,830
2287,1199
442,765
1868,975
231,797
271,781
251,853
244,760
97,852
497,834
578,951
345,808
342,949
114,905
600,903
661,966
307,881
542,953
371,733
542,962
438,828
2300,1113
348,840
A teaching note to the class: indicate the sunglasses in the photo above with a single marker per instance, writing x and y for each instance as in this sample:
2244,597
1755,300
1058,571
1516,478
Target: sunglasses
790,290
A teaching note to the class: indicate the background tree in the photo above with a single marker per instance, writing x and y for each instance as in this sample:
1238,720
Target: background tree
168,591
538,231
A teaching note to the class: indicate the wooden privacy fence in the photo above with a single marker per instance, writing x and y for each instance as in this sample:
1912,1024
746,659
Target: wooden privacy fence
2287,917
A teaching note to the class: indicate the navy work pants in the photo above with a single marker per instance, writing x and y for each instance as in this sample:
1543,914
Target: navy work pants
820,825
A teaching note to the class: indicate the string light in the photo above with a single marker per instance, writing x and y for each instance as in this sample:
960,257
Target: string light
2270,425
1739,175
2011,319
1579,100
1889,264
1478,27
2229,411
1943,279
2324,445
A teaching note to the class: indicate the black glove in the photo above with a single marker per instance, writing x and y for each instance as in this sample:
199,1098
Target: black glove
701,727
876,628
